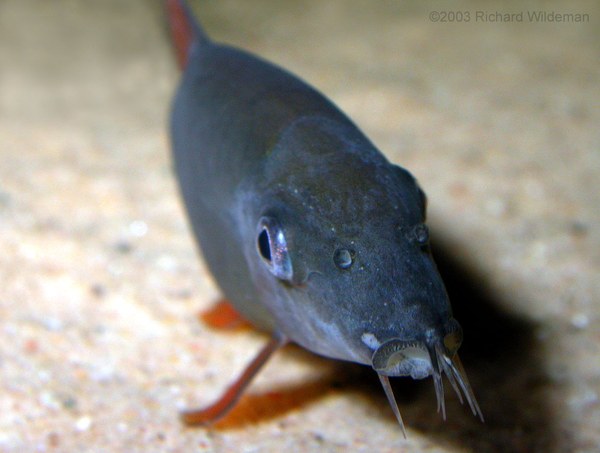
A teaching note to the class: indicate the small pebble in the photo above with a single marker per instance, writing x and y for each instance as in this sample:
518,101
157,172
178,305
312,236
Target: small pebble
578,229
83,423
138,228
167,263
98,290
53,324
123,246
580,321
53,439
49,400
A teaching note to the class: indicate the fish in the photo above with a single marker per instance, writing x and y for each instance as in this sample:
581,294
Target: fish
310,231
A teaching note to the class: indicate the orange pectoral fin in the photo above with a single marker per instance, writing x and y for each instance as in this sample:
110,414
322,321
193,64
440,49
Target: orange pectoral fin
223,316
227,401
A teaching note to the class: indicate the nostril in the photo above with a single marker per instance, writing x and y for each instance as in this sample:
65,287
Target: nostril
421,234
417,234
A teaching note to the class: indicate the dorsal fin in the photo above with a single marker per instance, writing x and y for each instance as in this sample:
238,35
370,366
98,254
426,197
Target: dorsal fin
185,31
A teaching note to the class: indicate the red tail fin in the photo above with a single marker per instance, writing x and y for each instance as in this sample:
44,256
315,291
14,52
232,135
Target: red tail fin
184,30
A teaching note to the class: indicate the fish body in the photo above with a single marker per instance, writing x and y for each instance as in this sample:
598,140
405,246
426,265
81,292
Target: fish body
310,232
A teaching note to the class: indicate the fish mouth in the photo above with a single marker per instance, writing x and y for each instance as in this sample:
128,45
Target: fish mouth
397,357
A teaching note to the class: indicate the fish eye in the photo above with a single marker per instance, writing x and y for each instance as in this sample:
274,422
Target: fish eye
343,258
264,246
273,249
453,339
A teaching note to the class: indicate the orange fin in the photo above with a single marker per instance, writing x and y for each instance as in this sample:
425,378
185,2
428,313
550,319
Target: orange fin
223,316
226,402
184,29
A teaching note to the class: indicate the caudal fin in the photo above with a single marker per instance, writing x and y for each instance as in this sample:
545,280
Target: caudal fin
185,31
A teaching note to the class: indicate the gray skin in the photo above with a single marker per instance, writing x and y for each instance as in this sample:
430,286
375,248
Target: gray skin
251,140
344,265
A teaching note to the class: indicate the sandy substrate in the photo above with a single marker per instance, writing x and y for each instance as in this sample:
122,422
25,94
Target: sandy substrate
101,286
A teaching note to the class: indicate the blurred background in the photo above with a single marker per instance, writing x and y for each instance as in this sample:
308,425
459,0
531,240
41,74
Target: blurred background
101,285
